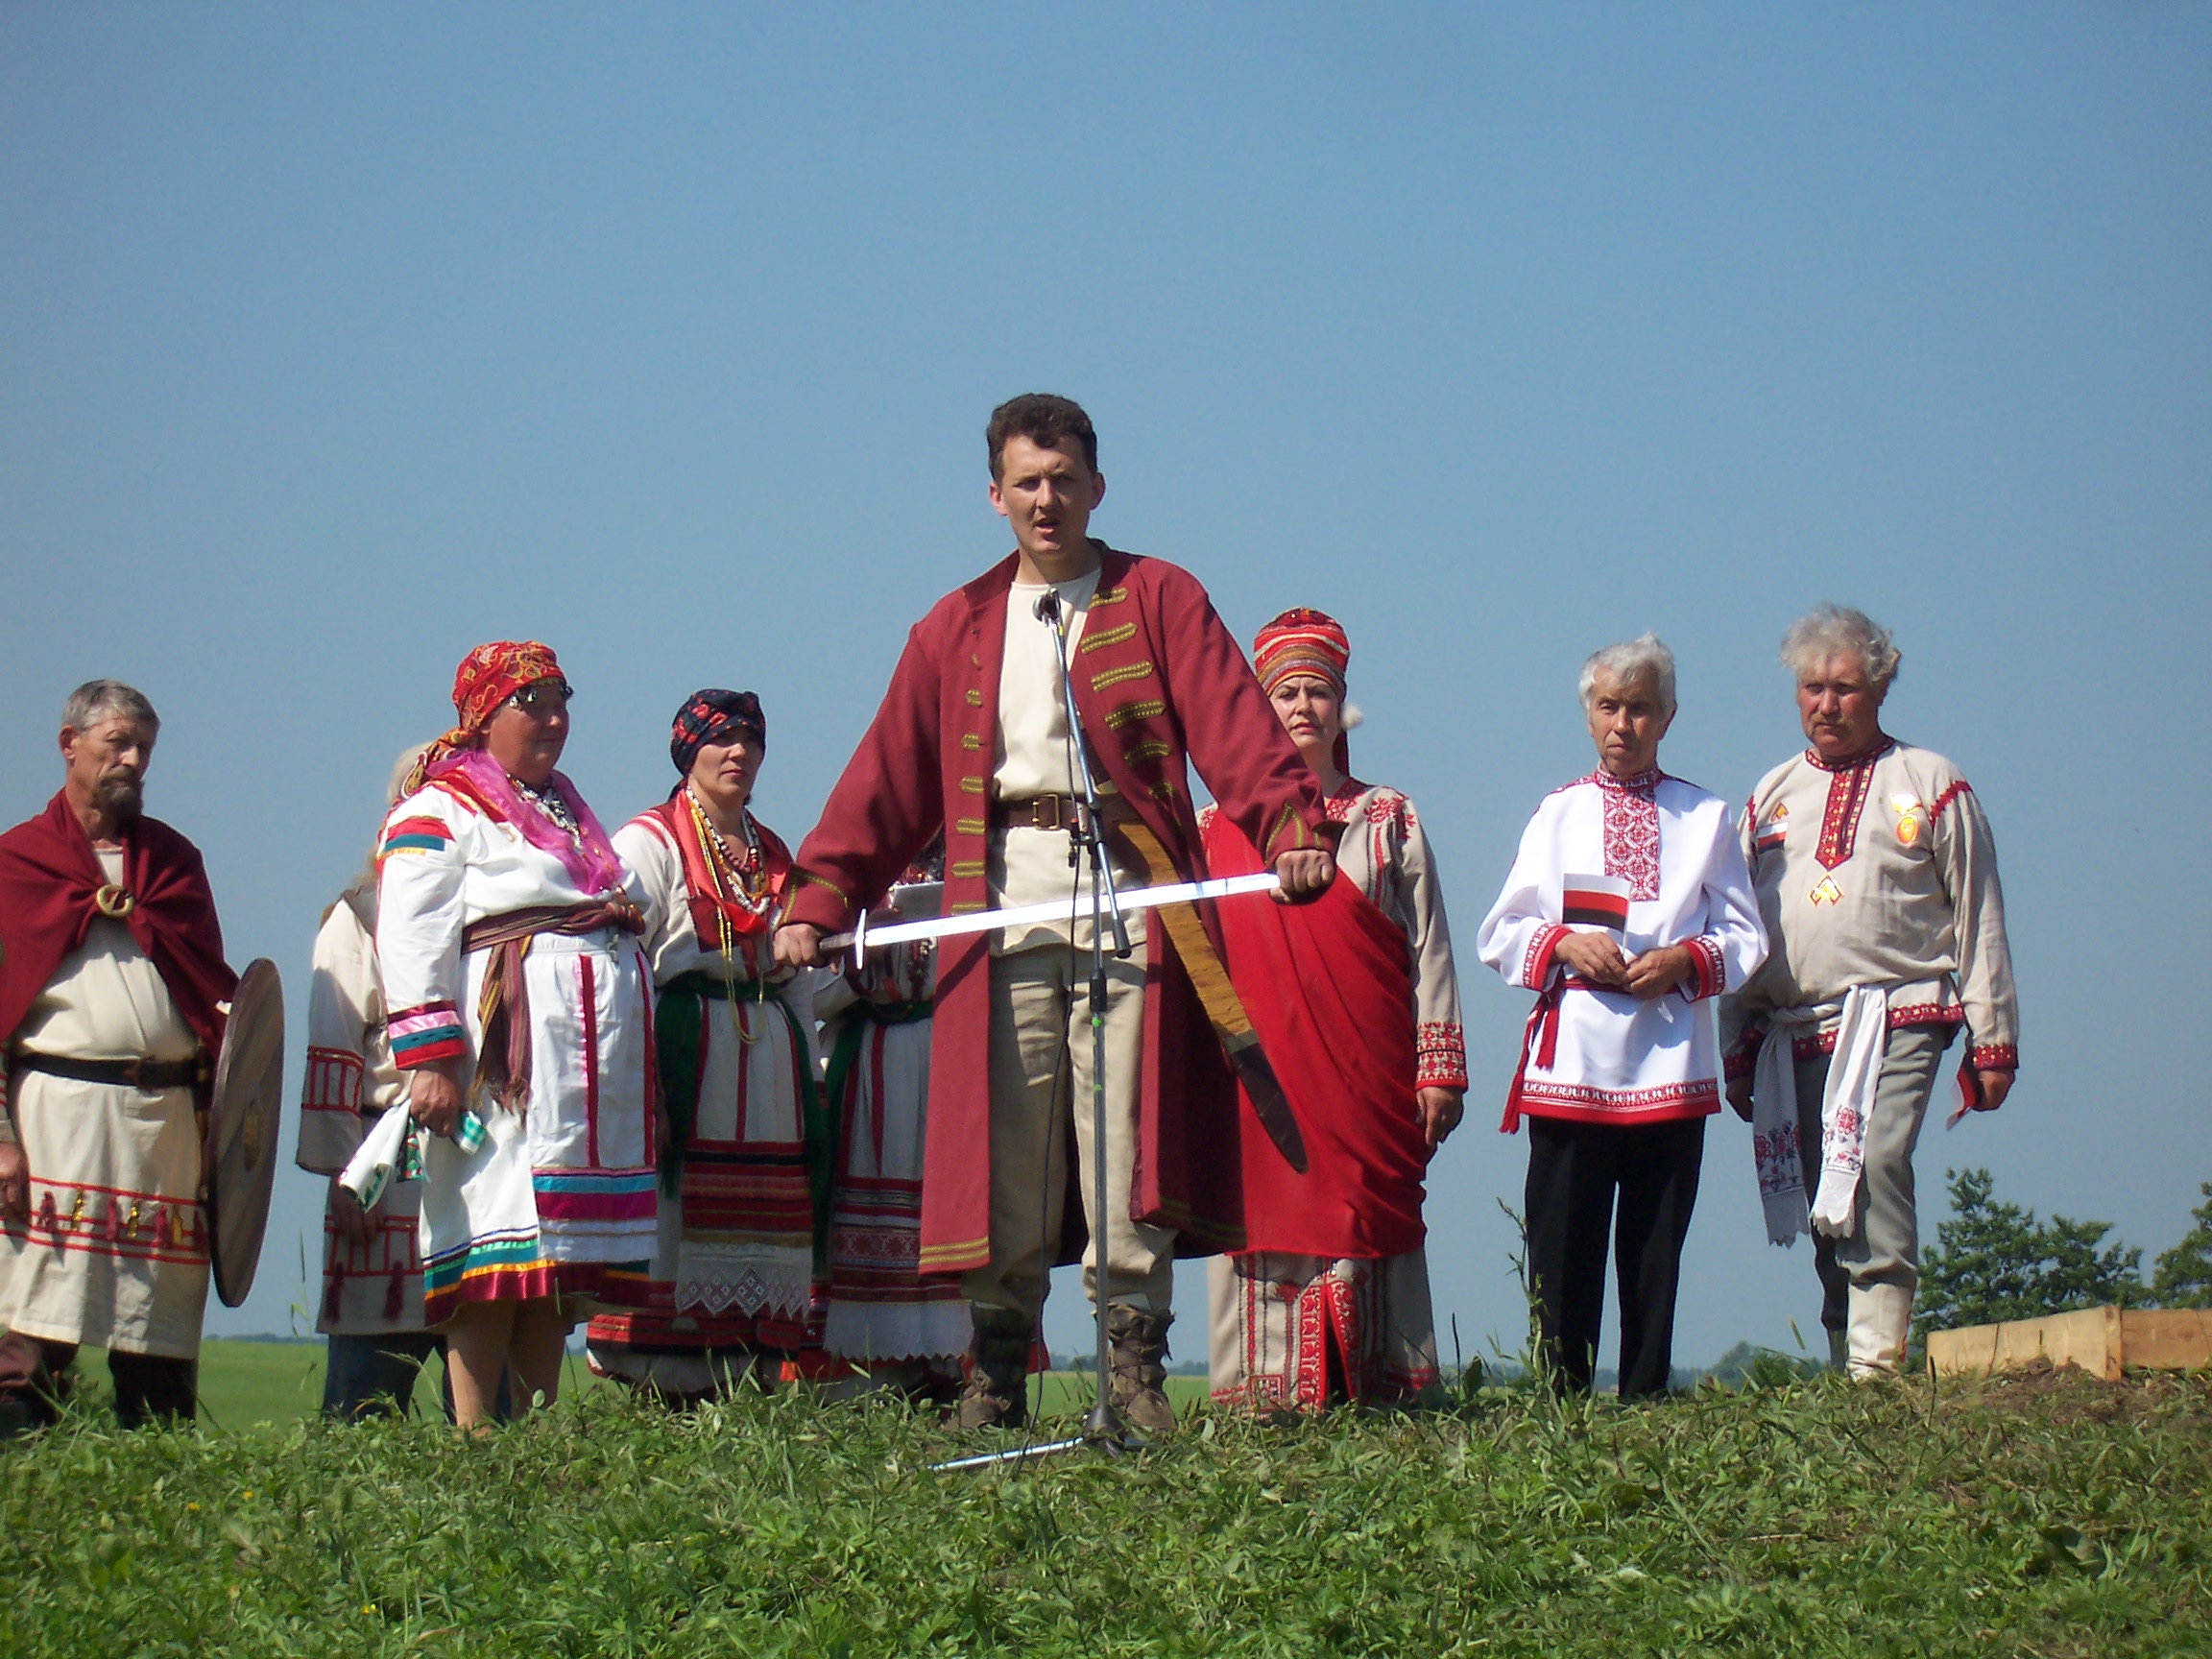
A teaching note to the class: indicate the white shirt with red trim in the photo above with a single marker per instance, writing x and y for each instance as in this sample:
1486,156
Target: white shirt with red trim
1618,1059
1879,873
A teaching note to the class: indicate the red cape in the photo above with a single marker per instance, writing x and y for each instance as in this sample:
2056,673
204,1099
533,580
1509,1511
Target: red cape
1330,989
48,874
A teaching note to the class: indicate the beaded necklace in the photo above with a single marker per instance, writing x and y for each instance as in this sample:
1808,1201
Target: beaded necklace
742,881
550,802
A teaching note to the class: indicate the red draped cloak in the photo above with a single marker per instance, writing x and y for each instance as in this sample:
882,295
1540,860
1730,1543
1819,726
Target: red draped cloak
1329,987
48,875
1160,685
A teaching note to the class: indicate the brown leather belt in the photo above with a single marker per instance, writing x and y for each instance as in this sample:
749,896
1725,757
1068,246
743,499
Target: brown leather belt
1050,811
149,1074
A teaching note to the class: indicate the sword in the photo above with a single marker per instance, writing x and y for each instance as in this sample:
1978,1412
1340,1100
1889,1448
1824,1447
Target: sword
863,935
1262,1088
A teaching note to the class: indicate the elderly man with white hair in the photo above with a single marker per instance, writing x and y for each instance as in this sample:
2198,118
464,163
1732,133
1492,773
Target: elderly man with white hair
1877,882
1629,910
114,994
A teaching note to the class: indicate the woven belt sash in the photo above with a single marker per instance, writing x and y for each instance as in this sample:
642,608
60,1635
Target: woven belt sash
1540,1040
504,1003
152,1075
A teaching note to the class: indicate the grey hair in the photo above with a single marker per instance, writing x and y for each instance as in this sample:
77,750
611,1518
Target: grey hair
402,769
97,697
1644,658
1831,630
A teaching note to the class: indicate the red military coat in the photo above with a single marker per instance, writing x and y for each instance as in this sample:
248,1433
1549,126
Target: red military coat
1158,684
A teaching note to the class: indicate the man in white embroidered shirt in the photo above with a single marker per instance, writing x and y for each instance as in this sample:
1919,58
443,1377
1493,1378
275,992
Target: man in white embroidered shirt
1627,910
1877,881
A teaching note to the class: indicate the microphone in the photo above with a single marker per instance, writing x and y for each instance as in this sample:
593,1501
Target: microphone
1047,609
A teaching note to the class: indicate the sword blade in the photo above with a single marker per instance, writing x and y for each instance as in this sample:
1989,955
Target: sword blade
1023,915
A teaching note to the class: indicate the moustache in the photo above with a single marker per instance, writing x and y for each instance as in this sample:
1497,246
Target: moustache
116,789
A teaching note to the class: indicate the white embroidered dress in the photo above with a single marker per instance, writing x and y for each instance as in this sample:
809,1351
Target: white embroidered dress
559,1197
752,1055
375,1288
116,1251
1613,1058
880,1309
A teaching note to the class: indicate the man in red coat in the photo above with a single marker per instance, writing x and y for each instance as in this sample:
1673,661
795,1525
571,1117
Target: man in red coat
112,996
971,739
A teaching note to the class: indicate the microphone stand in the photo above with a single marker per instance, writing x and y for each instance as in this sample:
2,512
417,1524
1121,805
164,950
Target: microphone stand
1103,1426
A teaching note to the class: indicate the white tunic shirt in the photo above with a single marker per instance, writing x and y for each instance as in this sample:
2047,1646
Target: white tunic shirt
1880,873
1618,1059
351,1082
1036,756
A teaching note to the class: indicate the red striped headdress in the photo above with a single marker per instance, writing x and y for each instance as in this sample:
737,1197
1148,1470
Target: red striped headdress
1313,644
1301,641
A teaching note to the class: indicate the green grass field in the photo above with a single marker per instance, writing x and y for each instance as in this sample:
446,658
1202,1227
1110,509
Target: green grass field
248,1385
2050,1515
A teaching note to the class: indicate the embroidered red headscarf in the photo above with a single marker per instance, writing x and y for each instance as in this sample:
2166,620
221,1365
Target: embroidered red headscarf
1311,644
487,677
49,876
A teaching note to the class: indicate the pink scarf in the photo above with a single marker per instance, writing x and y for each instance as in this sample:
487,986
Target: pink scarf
589,857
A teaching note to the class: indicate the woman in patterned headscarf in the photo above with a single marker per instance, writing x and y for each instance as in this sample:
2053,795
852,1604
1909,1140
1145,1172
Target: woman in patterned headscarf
734,1274
516,992
1332,1297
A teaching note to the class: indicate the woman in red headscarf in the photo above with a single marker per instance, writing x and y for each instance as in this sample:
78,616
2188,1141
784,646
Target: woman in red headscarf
1357,1003
735,1269
506,930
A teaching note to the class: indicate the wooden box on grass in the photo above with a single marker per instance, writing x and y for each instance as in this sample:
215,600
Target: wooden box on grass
2102,1342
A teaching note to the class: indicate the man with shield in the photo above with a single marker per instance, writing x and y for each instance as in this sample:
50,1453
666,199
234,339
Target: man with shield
113,996
973,738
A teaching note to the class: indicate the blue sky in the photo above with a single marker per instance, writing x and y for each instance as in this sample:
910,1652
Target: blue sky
336,339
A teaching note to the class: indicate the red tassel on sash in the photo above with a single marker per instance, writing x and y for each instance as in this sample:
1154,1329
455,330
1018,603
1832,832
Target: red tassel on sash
1542,1034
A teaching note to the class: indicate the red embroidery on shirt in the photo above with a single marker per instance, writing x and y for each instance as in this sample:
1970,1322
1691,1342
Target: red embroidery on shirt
1632,829
1712,975
1949,795
1339,804
1536,961
1847,790
1440,1048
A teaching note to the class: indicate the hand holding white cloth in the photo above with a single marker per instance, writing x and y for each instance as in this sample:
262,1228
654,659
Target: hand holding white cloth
376,1159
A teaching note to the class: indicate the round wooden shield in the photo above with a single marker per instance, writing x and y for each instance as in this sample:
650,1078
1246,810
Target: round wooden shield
243,1114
